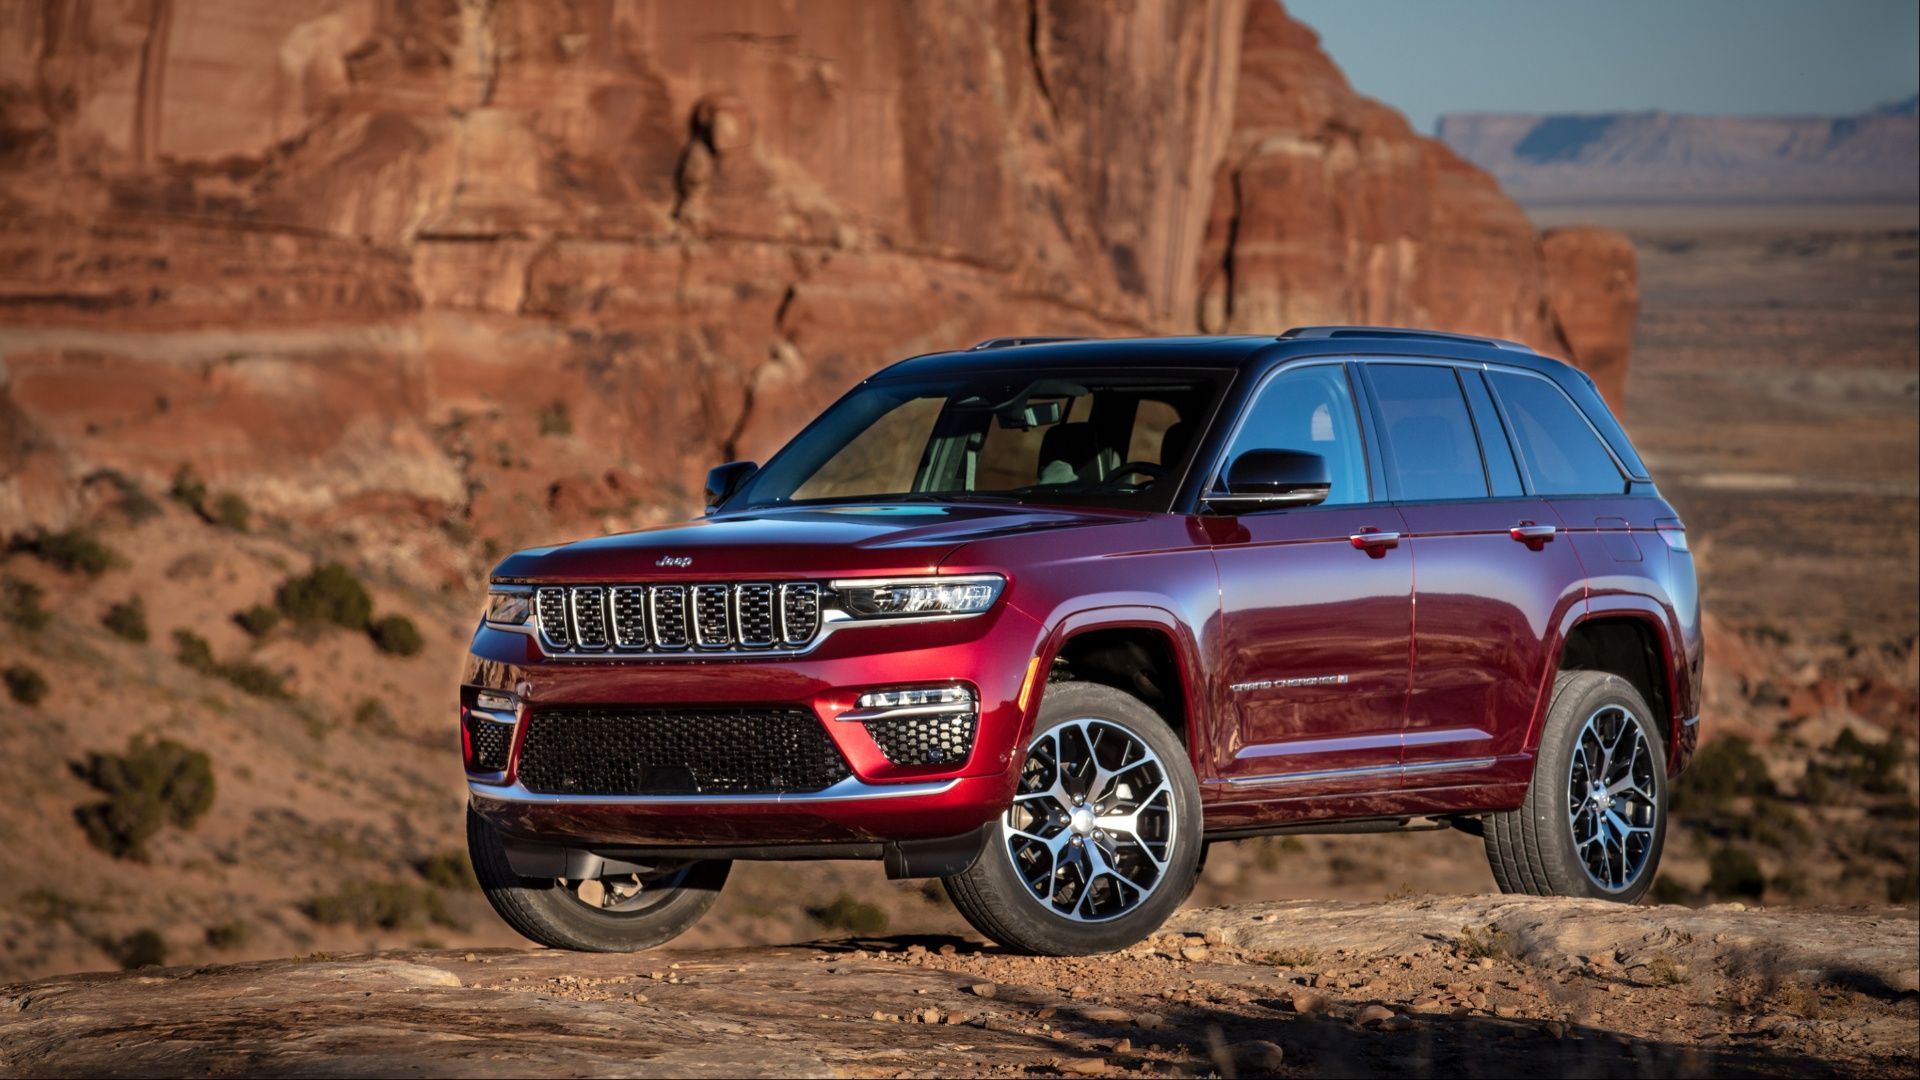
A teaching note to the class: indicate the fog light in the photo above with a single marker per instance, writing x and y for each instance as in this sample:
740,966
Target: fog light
954,698
495,701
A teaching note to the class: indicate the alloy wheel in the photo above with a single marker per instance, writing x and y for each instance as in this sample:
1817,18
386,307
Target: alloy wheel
1613,798
1092,825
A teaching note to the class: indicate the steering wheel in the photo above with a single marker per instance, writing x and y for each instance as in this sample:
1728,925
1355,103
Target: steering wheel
1147,469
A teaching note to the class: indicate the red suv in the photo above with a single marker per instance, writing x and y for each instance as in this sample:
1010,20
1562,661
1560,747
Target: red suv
1045,618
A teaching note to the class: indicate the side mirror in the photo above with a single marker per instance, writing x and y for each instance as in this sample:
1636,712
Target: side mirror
1267,479
724,480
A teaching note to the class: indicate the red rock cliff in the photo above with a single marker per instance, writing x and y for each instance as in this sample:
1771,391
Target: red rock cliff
498,264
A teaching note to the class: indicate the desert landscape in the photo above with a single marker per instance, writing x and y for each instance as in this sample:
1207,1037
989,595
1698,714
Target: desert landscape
279,384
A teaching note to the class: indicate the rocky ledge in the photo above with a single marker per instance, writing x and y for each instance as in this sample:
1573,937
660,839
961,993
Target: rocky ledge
1471,985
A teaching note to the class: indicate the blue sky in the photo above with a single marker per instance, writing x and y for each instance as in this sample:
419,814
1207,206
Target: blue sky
1427,57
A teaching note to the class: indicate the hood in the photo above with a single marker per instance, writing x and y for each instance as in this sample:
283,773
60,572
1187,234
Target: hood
815,542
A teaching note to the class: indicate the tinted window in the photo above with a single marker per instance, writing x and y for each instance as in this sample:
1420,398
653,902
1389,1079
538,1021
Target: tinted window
1431,451
1310,409
1501,470
1562,454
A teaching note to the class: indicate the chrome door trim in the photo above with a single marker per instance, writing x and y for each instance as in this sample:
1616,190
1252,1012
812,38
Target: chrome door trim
1360,772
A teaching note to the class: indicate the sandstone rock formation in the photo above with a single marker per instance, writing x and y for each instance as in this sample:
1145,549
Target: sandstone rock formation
527,268
1469,986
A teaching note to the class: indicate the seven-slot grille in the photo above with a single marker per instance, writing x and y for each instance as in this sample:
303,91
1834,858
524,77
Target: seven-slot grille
586,619
618,750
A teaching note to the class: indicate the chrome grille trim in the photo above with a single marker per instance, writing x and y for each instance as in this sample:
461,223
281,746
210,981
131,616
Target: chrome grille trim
628,604
658,621
667,611
712,617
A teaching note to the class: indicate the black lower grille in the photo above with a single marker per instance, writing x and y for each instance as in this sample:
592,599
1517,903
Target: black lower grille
690,751
941,739
487,744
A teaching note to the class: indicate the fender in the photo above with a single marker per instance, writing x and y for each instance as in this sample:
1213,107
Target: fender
1613,605
1186,652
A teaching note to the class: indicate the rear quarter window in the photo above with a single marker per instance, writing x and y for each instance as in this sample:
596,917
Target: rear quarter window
1562,453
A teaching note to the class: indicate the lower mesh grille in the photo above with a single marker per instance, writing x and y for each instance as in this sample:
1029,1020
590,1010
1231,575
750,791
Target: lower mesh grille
941,739
693,751
487,743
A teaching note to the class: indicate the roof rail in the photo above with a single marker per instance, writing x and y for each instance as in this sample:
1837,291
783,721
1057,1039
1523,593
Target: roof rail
1010,342
1303,333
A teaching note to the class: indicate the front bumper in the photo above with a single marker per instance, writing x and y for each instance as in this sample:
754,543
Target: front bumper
880,802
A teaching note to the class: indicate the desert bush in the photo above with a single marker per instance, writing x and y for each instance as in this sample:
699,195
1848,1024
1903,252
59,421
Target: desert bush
1733,874
1475,943
25,684
396,634
556,420
230,511
373,715
1722,770
128,620
1873,768
1668,891
193,652
1904,888
849,914
73,550
1776,824
451,870
131,501
328,594
20,605
188,489
383,905
1766,632
258,620
255,679
142,948
228,935
152,785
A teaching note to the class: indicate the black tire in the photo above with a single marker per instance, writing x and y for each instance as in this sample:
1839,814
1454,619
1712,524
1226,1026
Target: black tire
995,899
548,914
1535,849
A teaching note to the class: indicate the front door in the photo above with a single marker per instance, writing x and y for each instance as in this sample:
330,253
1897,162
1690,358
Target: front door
1312,651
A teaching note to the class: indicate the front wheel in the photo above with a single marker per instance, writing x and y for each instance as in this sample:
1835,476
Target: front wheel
1595,819
619,913
1102,841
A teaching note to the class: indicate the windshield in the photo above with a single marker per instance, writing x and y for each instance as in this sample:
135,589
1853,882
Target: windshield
1115,439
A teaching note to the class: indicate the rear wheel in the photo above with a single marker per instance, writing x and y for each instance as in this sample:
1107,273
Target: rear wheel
1102,841
618,913
1595,819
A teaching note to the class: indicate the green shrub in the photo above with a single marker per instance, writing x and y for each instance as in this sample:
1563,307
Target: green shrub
142,948
373,715
133,503
396,634
1486,942
1723,769
230,511
384,905
329,594
1668,891
228,935
193,652
20,605
75,551
188,489
556,420
1732,874
1904,888
255,679
258,620
26,685
150,786
849,914
127,620
451,870
1872,767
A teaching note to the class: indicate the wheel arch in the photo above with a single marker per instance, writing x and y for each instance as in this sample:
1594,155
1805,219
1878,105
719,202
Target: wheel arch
1141,650
1630,640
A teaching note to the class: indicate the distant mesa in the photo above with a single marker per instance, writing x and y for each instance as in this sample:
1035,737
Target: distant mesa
1677,157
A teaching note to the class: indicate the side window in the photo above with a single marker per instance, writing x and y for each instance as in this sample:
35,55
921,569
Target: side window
1431,450
1310,409
1562,454
1501,470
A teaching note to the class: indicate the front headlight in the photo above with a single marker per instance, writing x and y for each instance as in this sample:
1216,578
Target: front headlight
509,606
908,598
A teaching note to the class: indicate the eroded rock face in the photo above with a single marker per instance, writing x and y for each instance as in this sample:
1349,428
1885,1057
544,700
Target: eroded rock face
532,266
1328,208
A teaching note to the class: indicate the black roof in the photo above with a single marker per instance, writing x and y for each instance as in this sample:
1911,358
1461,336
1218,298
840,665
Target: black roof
1221,351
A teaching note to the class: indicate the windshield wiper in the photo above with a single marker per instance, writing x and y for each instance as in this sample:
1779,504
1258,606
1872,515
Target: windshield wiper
952,496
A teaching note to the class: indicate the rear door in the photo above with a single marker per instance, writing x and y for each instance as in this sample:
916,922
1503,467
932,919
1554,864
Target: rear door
1493,574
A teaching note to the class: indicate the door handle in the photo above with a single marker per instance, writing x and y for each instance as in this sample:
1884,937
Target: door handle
1374,542
1532,535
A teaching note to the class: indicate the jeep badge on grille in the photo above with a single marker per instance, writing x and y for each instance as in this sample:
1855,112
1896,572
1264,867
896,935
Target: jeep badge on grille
675,560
